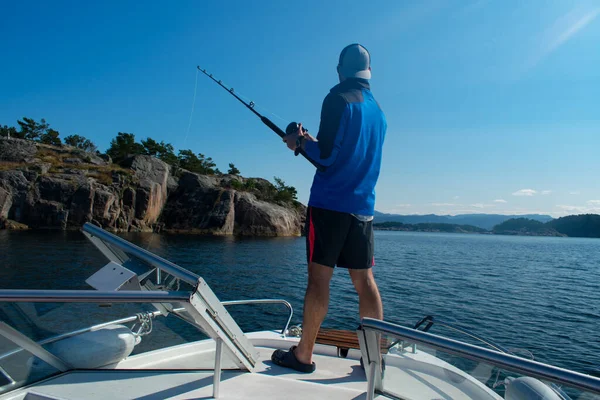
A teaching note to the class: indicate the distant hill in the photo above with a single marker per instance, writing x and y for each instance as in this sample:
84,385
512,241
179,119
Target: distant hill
585,225
484,221
525,226
428,227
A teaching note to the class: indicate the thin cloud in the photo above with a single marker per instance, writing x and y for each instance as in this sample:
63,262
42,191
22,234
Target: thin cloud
563,29
456,197
576,193
500,201
481,205
444,204
592,207
403,205
568,208
525,192
546,192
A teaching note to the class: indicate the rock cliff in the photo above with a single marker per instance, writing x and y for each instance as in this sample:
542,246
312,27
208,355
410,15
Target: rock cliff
48,187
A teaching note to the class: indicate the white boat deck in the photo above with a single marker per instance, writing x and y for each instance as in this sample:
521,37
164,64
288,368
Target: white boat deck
335,378
412,376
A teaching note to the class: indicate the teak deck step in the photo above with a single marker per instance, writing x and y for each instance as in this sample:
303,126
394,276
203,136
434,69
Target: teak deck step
343,339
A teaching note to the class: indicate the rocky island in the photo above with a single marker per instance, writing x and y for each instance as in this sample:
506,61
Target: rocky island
62,187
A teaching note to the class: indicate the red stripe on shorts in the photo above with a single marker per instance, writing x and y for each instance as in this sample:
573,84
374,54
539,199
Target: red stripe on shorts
311,236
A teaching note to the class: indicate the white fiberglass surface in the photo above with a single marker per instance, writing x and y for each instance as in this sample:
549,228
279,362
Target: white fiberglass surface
422,376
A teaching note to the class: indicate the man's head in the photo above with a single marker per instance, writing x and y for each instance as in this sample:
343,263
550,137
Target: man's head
355,62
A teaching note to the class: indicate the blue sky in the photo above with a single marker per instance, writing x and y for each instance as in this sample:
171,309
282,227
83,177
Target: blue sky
492,106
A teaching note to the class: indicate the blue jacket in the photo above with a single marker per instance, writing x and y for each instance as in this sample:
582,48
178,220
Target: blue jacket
350,142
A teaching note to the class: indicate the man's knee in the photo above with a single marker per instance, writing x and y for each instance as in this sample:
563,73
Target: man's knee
319,277
363,281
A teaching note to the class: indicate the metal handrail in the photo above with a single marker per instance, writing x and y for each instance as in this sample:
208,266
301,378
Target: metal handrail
266,301
91,296
506,361
144,255
431,321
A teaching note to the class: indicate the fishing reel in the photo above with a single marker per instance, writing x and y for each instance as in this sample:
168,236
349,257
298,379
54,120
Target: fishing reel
293,128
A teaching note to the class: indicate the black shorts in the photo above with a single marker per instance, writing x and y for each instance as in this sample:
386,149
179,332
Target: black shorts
336,238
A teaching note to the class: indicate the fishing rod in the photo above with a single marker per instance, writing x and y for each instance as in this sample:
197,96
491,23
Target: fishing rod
291,128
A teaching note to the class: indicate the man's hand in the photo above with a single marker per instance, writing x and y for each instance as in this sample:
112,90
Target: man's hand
292,139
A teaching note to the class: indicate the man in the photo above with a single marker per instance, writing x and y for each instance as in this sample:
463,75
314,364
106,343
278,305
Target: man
339,227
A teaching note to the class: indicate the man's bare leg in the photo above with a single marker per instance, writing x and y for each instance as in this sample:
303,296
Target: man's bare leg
316,302
369,300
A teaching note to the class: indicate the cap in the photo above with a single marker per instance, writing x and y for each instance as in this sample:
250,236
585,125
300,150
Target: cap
355,62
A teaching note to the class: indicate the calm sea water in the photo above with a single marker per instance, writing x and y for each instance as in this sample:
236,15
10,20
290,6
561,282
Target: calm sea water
537,293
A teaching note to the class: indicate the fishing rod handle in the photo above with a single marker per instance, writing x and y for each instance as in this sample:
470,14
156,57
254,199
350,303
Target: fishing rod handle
293,128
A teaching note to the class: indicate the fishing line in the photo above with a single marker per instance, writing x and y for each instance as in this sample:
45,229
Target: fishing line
191,112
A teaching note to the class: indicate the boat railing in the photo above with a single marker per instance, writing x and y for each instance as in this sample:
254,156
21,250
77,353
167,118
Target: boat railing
371,331
102,239
430,321
150,314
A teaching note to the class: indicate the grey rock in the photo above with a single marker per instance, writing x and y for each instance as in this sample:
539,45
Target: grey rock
5,202
48,215
12,225
106,208
94,159
151,194
190,207
259,218
82,204
16,150
41,167
148,198
172,184
147,167
13,180
57,189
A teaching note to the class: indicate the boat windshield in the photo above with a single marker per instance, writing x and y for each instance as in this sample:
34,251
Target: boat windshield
38,340
146,313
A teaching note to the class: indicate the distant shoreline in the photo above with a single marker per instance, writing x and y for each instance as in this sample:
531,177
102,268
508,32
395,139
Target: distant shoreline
586,225
465,233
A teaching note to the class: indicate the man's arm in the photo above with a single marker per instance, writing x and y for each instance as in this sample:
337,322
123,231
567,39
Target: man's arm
331,131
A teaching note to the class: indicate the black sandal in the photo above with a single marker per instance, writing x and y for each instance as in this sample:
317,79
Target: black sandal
288,359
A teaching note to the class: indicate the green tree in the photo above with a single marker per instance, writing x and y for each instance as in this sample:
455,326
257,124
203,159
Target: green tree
233,170
81,143
279,184
8,131
196,163
208,163
188,160
30,129
162,150
50,137
123,146
151,147
286,194
250,184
